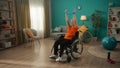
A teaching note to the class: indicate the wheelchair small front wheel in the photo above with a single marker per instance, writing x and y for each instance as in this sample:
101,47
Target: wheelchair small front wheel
77,49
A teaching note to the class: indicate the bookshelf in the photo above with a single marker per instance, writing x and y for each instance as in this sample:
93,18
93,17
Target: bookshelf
8,31
114,22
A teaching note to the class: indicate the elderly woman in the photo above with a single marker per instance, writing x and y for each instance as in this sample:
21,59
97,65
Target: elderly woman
67,39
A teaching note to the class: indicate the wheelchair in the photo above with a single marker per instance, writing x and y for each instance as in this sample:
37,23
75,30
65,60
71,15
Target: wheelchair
74,50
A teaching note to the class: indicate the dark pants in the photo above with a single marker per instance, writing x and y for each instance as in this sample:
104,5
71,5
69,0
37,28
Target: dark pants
63,44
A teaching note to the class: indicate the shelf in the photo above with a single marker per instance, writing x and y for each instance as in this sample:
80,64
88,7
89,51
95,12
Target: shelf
7,0
113,34
8,27
9,38
2,10
112,15
113,22
113,27
3,48
9,19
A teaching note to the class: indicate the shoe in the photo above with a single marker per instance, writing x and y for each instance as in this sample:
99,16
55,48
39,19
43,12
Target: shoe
53,56
59,59
64,51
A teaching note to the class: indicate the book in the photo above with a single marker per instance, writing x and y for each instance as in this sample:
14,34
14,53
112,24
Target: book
113,31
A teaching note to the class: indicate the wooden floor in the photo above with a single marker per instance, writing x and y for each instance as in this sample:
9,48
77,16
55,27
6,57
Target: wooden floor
37,57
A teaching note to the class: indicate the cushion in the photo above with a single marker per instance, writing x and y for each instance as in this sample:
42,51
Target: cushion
83,28
57,29
29,33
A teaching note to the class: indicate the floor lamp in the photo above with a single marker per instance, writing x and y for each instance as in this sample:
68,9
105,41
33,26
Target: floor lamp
83,18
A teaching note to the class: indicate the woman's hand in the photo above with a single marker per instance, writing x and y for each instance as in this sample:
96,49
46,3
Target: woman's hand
66,10
74,11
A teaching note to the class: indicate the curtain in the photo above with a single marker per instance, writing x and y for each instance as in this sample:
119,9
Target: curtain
47,9
37,16
40,10
22,18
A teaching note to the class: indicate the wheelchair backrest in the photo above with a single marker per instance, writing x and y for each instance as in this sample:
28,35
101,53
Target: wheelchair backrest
76,36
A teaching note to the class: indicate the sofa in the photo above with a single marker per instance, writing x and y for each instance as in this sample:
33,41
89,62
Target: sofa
58,31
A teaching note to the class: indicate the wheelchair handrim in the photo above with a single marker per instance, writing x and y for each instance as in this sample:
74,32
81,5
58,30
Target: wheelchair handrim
78,53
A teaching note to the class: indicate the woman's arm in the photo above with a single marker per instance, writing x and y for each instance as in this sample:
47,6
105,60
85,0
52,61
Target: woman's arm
74,18
66,18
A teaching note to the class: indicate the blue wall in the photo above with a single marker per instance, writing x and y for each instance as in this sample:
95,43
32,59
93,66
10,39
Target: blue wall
87,8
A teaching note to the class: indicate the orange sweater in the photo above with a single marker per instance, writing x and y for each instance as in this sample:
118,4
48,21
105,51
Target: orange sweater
70,32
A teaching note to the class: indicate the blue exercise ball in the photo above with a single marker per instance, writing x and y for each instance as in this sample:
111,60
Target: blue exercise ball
109,42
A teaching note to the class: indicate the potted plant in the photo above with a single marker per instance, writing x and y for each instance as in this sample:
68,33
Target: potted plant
96,18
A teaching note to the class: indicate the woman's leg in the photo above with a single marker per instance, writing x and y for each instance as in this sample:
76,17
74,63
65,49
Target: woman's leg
56,44
63,45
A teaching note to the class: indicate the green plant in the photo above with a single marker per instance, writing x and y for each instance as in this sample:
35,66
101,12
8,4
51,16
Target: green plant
96,19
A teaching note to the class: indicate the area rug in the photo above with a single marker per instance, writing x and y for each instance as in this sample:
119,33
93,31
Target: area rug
100,52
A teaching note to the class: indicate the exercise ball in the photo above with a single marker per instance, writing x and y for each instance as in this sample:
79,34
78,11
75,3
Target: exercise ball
109,42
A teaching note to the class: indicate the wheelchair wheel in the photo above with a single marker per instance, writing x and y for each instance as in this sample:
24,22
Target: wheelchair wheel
52,51
86,37
77,49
